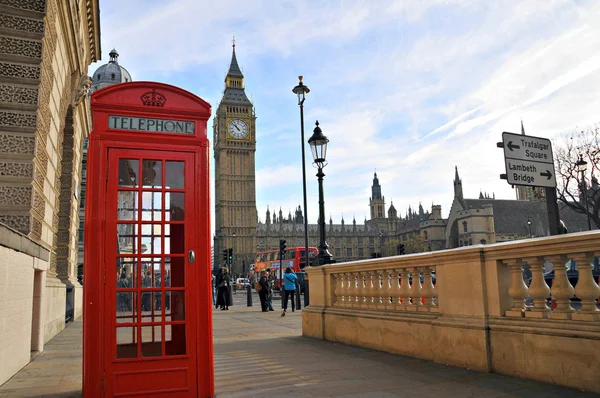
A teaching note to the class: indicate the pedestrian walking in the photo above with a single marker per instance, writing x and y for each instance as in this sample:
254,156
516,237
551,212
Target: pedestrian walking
270,284
264,291
290,279
223,283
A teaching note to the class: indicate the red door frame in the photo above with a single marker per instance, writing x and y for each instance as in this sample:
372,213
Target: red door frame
127,99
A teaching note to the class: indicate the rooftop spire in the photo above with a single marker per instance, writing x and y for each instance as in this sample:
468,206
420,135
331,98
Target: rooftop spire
522,128
234,68
456,177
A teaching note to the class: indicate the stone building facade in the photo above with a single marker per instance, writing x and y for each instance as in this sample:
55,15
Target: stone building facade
46,47
355,241
489,220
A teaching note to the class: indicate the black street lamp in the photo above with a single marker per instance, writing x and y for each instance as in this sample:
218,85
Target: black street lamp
529,226
233,255
582,166
318,145
301,90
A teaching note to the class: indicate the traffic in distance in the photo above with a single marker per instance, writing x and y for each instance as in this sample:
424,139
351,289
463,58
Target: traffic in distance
294,258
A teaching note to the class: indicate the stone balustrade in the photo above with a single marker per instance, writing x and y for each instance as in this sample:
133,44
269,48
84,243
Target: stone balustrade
471,307
392,289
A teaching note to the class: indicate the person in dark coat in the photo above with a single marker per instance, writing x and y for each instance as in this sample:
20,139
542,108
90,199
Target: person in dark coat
223,282
147,296
124,303
271,284
263,293
216,278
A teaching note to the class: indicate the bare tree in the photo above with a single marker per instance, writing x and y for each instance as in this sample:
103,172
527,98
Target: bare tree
570,189
414,244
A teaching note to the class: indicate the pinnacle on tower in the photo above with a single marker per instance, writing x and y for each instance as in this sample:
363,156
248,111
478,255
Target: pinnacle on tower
234,68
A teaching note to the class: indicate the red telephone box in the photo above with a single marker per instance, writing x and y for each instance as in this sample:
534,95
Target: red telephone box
147,328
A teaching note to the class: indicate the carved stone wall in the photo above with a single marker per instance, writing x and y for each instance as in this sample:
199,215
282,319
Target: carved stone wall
66,249
22,29
18,94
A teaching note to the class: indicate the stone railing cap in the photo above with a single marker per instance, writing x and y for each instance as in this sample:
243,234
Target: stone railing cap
17,241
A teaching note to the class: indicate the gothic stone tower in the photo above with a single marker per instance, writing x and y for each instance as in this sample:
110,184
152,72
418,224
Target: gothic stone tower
376,201
235,188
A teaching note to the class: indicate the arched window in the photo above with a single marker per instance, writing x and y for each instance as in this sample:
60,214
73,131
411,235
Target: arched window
464,226
470,242
460,243
425,235
482,241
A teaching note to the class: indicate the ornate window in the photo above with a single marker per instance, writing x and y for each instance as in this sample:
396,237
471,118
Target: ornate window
349,252
464,226
425,237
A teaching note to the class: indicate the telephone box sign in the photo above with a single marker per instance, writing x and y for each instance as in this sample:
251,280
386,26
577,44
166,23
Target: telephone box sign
151,125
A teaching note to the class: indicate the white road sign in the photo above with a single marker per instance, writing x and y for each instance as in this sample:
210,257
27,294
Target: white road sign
528,160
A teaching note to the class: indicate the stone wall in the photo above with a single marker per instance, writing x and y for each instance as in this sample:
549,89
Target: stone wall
23,264
471,308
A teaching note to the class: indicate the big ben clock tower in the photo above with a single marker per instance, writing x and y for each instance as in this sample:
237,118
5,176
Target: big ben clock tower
235,195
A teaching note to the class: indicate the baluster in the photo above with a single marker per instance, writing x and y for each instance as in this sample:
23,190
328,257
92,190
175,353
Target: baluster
369,290
337,291
360,289
587,290
404,290
346,289
352,288
427,290
561,289
538,289
517,290
377,288
395,289
415,288
386,288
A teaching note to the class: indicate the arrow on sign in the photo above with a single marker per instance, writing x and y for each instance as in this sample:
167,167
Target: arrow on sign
547,174
511,146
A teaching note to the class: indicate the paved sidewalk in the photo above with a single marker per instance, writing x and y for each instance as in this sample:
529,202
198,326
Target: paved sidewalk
55,373
263,355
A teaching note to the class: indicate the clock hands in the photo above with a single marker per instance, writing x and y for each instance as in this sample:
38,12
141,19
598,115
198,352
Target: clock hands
235,125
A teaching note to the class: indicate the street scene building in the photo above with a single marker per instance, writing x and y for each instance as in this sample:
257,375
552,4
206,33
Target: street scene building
45,50
522,296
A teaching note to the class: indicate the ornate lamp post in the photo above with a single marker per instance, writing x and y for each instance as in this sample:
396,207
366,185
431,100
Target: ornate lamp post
301,90
318,145
529,225
582,166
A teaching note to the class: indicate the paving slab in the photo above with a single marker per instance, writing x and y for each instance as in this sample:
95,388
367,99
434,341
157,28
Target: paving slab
261,354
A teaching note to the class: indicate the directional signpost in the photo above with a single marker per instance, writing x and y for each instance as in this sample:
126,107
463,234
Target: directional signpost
528,160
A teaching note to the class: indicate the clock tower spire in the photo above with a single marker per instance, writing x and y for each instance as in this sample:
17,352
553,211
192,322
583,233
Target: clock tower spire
234,144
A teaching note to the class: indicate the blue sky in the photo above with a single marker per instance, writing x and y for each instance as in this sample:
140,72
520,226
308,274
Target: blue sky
409,88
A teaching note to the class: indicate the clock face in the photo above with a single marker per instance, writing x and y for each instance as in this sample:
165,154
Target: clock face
238,128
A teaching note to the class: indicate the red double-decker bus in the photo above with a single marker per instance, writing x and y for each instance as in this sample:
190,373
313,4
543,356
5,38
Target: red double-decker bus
294,258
